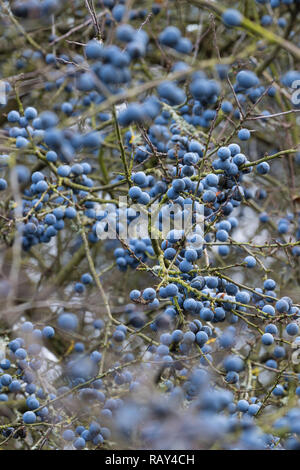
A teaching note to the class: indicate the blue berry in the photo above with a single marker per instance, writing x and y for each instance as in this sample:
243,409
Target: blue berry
29,417
48,332
232,17
244,134
267,339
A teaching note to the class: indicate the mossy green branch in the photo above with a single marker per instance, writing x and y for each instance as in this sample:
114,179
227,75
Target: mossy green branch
252,27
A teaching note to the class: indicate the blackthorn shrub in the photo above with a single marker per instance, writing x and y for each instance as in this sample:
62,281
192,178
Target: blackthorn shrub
149,224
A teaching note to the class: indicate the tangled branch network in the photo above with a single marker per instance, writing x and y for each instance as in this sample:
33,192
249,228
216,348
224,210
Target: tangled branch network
149,224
